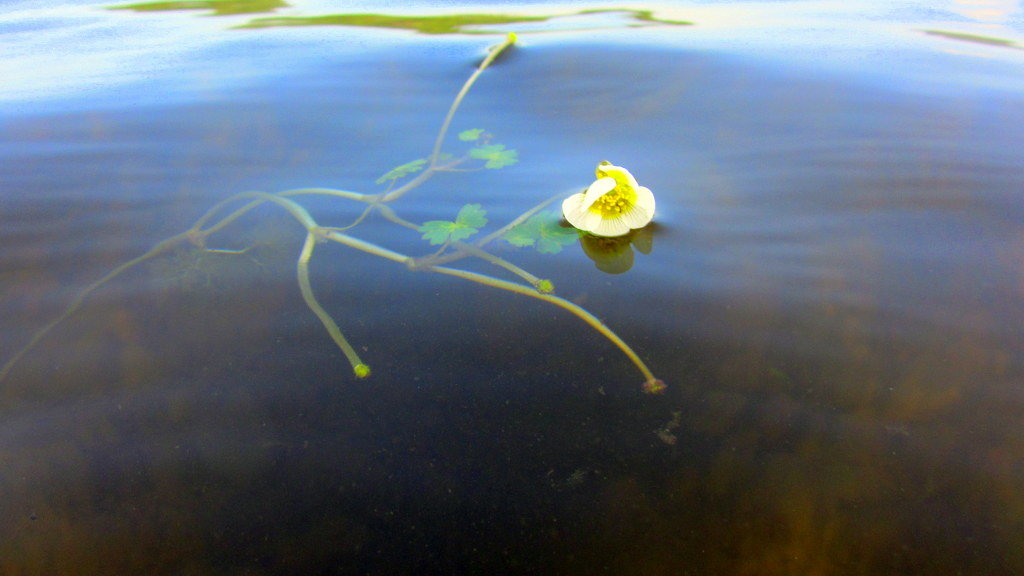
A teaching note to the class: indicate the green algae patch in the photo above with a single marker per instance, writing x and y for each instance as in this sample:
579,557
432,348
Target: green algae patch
433,24
217,7
446,24
443,24
640,16
975,38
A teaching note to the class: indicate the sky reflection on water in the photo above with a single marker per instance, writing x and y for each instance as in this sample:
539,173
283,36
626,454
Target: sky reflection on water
832,295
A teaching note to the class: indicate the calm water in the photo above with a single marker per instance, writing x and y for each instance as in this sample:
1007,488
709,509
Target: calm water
833,297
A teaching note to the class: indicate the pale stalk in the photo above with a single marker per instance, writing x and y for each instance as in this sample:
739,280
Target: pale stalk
497,261
293,208
367,198
389,213
365,246
400,191
75,304
519,220
492,236
467,250
576,310
224,222
587,317
191,234
432,163
360,369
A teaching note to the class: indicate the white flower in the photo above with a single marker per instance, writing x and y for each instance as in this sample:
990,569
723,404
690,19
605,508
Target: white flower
612,206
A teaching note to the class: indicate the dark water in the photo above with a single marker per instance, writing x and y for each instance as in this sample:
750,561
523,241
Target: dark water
833,297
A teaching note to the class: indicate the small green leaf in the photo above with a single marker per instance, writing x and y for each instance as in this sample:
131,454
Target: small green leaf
521,236
472,216
437,231
551,242
469,221
542,231
496,155
470,135
402,171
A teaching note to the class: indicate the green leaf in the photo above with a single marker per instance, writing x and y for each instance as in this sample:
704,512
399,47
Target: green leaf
469,221
470,135
437,231
552,243
520,236
472,216
496,155
542,231
402,171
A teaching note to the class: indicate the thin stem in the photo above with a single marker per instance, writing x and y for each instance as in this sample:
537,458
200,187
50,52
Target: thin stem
191,234
587,317
356,222
465,249
367,198
293,208
75,304
497,233
360,369
366,246
238,213
497,261
389,213
509,40
439,141
519,220
401,190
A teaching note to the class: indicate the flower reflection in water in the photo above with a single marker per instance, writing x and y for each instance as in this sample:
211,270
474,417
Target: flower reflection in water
615,255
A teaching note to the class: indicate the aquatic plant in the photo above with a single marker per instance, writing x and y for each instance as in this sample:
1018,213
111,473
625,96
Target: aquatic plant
535,227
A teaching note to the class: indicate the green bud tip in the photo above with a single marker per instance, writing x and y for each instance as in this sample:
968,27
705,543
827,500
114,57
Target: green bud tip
545,287
512,37
362,370
654,386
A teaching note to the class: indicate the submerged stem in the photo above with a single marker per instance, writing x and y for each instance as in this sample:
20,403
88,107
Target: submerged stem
75,304
497,261
264,197
587,317
361,370
215,220
581,313
517,221
439,141
495,52
293,208
365,246
389,213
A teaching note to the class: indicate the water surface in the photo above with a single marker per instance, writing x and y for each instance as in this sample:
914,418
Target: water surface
833,297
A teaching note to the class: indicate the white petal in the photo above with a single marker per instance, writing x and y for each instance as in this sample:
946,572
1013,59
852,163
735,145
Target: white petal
599,188
571,208
610,227
636,217
590,221
628,175
645,200
577,213
609,168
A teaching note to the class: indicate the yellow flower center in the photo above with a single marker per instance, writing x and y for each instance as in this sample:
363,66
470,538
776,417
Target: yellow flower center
610,205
